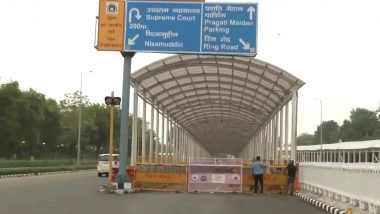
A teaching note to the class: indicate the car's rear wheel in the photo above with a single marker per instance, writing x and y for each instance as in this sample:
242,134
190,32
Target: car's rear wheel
100,174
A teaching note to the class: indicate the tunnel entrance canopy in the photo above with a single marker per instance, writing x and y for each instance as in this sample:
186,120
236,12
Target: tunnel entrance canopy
222,101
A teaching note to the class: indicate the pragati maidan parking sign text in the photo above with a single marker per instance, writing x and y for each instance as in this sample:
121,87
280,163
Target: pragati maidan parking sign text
199,28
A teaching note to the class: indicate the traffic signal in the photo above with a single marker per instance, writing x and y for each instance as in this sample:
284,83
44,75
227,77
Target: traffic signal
114,101
108,100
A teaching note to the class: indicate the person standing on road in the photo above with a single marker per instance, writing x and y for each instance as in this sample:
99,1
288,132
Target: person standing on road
291,171
258,169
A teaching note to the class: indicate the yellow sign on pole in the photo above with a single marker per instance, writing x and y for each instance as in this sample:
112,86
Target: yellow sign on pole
111,25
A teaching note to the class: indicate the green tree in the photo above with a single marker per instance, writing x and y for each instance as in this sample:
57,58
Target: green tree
363,125
99,129
330,133
29,122
347,131
305,139
69,110
365,122
32,118
51,127
11,130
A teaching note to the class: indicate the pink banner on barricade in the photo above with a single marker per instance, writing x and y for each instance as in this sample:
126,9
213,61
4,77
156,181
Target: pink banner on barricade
215,175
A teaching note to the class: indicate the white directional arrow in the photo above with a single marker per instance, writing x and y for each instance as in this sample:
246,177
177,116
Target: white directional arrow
133,40
251,10
246,45
137,16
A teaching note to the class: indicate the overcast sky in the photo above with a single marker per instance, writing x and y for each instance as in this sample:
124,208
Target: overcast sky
332,45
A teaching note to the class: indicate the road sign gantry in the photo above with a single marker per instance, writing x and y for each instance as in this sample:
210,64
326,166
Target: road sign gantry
171,27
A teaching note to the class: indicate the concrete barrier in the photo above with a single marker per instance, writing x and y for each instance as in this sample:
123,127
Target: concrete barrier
354,183
321,205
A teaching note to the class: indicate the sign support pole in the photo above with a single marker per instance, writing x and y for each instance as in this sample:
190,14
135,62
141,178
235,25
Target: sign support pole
124,154
111,142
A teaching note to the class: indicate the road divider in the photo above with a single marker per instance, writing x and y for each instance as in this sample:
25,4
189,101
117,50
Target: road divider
36,171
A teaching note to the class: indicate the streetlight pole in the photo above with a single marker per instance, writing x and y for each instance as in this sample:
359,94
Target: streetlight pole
80,118
321,132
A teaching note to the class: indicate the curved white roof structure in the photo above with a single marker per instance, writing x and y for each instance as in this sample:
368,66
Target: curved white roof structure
220,100
369,144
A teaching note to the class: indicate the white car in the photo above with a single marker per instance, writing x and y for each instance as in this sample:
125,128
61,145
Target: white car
103,163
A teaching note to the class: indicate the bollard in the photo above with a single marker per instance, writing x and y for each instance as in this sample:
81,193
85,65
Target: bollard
349,211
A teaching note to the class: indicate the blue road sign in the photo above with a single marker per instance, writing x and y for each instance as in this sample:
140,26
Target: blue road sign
200,28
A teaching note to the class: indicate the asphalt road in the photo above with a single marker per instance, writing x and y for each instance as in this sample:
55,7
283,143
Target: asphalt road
78,193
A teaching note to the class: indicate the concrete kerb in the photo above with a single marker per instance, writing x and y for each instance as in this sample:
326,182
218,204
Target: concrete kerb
41,173
321,205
